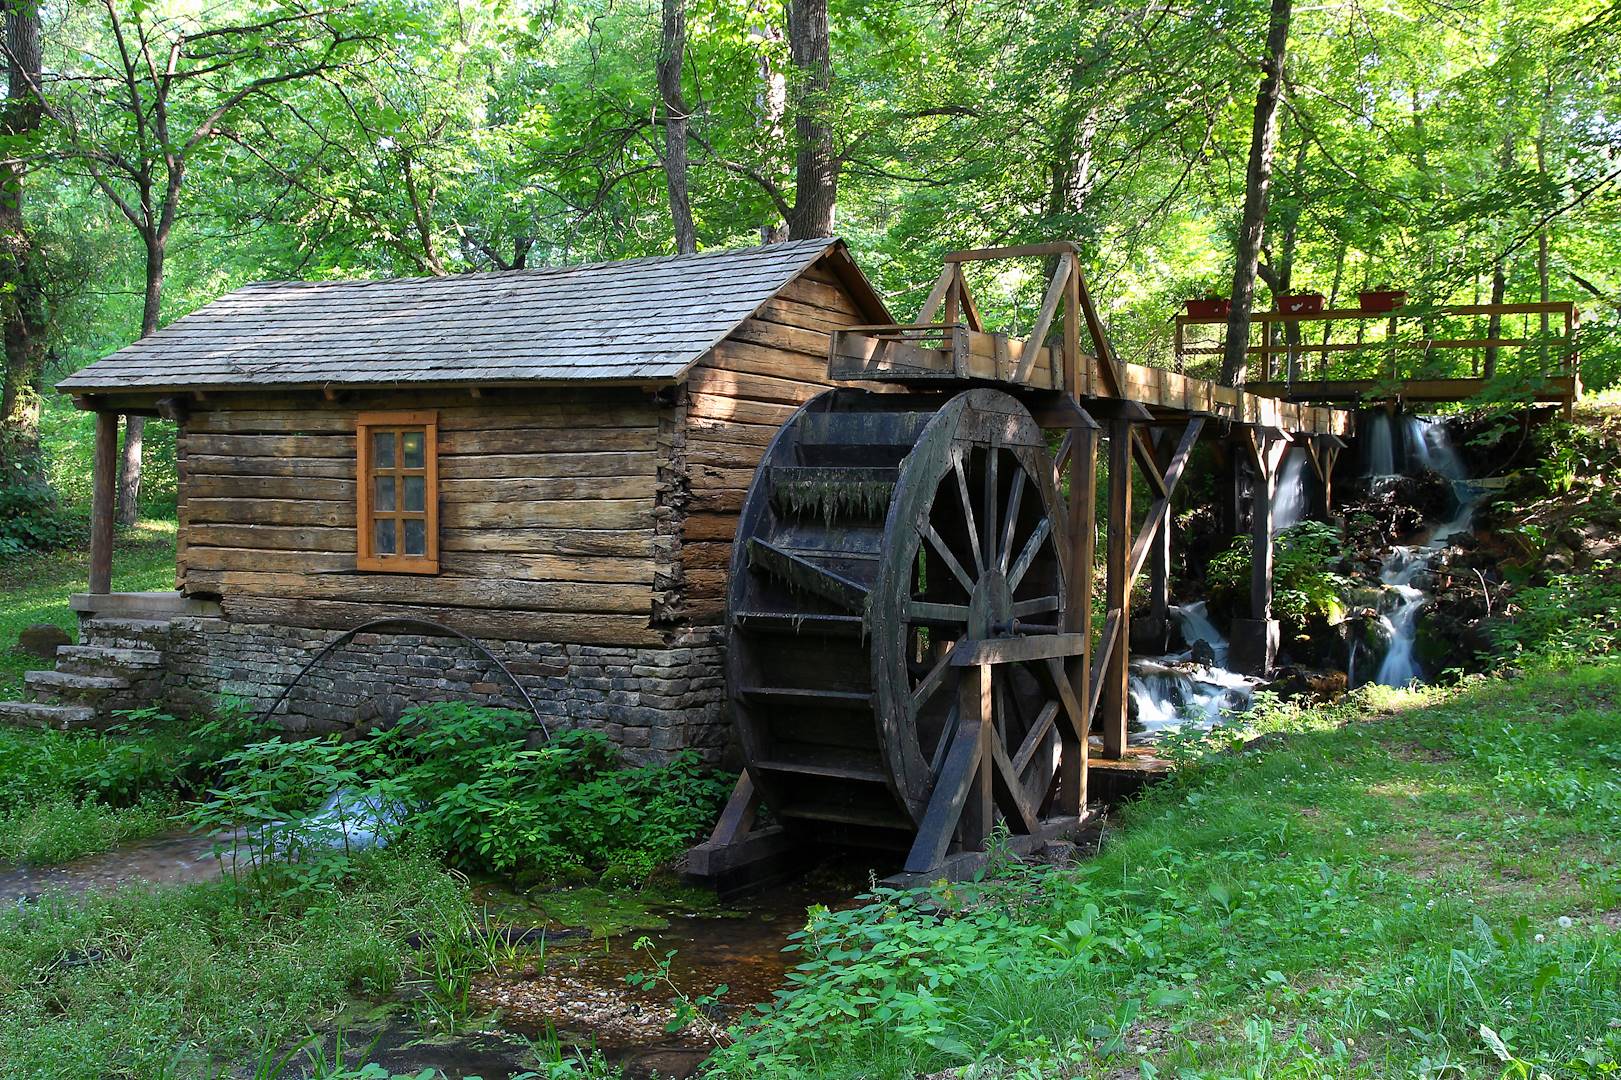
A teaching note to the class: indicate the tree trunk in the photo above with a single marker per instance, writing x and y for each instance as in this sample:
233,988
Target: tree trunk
129,464
1494,323
772,104
672,49
1257,189
816,166
20,273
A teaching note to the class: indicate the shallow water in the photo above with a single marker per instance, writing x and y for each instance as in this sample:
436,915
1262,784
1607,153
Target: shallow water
174,858
579,989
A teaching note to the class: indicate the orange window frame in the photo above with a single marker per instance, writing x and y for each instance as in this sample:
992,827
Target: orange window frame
368,471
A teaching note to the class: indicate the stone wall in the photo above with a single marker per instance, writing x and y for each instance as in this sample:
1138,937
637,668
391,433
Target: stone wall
652,702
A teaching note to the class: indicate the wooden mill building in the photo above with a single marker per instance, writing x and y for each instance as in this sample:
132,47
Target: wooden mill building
549,461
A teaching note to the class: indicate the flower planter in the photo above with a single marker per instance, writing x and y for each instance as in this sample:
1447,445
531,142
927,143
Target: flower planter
1211,307
1300,303
1382,299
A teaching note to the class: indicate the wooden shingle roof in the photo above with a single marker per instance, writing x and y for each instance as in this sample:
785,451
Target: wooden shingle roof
636,320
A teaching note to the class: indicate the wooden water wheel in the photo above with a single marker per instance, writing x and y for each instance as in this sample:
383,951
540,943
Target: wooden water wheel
898,585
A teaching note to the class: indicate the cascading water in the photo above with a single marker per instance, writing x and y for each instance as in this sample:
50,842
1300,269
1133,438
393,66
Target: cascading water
1379,447
1426,445
1178,689
1289,505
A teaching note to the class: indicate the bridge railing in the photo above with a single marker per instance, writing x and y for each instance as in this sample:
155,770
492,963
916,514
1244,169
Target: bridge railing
1432,353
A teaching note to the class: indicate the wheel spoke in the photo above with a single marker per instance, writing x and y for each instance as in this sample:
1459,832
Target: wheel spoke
1039,605
940,548
1005,548
968,515
932,682
992,498
947,733
1021,565
923,611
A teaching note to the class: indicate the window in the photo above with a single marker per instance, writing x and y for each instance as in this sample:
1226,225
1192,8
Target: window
397,509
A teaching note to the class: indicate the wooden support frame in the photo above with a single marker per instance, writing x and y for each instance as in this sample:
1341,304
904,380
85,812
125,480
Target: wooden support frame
104,477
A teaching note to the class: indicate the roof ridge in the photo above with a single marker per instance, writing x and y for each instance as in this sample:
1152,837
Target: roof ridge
540,271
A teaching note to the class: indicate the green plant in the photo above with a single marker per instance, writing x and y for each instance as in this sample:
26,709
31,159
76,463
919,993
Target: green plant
1577,614
465,781
1305,581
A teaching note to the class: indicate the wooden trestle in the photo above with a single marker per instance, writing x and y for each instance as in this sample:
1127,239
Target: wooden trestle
1150,421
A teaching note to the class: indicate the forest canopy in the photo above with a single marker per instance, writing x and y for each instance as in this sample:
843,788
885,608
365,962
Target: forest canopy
162,153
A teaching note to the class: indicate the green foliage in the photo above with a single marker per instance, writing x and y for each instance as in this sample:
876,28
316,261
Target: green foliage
465,781
1305,583
170,982
32,518
1567,451
1572,615
1420,893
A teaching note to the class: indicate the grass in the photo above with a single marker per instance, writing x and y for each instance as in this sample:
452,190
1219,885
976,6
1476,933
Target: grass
1417,883
181,982
35,589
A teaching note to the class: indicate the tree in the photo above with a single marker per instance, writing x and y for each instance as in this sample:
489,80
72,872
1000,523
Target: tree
816,162
136,122
1257,189
22,304
672,48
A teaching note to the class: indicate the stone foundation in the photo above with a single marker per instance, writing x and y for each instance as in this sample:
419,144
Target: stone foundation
651,702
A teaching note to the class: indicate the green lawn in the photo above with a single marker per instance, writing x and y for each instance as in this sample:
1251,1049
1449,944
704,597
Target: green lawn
35,588
1414,884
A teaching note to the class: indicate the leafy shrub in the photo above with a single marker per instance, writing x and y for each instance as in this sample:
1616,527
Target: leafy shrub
464,780
1304,581
31,518
1573,614
1567,451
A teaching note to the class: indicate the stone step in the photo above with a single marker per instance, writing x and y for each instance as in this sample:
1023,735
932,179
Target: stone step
107,660
55,686
125,633
37,714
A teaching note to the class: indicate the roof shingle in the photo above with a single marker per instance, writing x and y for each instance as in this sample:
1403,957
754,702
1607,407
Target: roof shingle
641,319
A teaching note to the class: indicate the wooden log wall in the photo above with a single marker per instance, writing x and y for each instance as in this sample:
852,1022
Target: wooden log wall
737,397
548,506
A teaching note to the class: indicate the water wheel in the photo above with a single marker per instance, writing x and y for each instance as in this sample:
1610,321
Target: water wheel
881,532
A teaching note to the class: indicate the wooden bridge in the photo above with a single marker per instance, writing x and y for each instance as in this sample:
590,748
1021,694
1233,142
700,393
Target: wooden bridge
1444,353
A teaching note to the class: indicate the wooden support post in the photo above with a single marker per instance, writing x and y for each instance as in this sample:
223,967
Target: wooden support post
1118,589
1082,527
1261,532
104,477
974,703
1159,566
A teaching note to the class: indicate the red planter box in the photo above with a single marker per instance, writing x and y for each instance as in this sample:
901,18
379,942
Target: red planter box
1308,303
1382,299
1211,308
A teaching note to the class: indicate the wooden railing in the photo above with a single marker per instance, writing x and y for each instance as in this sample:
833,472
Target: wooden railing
1406,351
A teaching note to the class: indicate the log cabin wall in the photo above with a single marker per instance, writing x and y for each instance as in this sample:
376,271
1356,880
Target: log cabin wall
551,504
737,398
546,513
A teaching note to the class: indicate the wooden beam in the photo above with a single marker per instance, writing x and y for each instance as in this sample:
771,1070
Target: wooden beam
974,712
1081,530
104,475
737,818
1016,650
1118,589
1044,320
937,296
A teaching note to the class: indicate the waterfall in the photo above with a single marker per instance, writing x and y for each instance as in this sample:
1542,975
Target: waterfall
1289,507
1196,627
1170,691
1427,445
1403,567
1379,445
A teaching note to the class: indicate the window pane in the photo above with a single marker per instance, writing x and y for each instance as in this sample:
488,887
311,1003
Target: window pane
382,450
416,493
383,544
385,493
411,449
416,536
